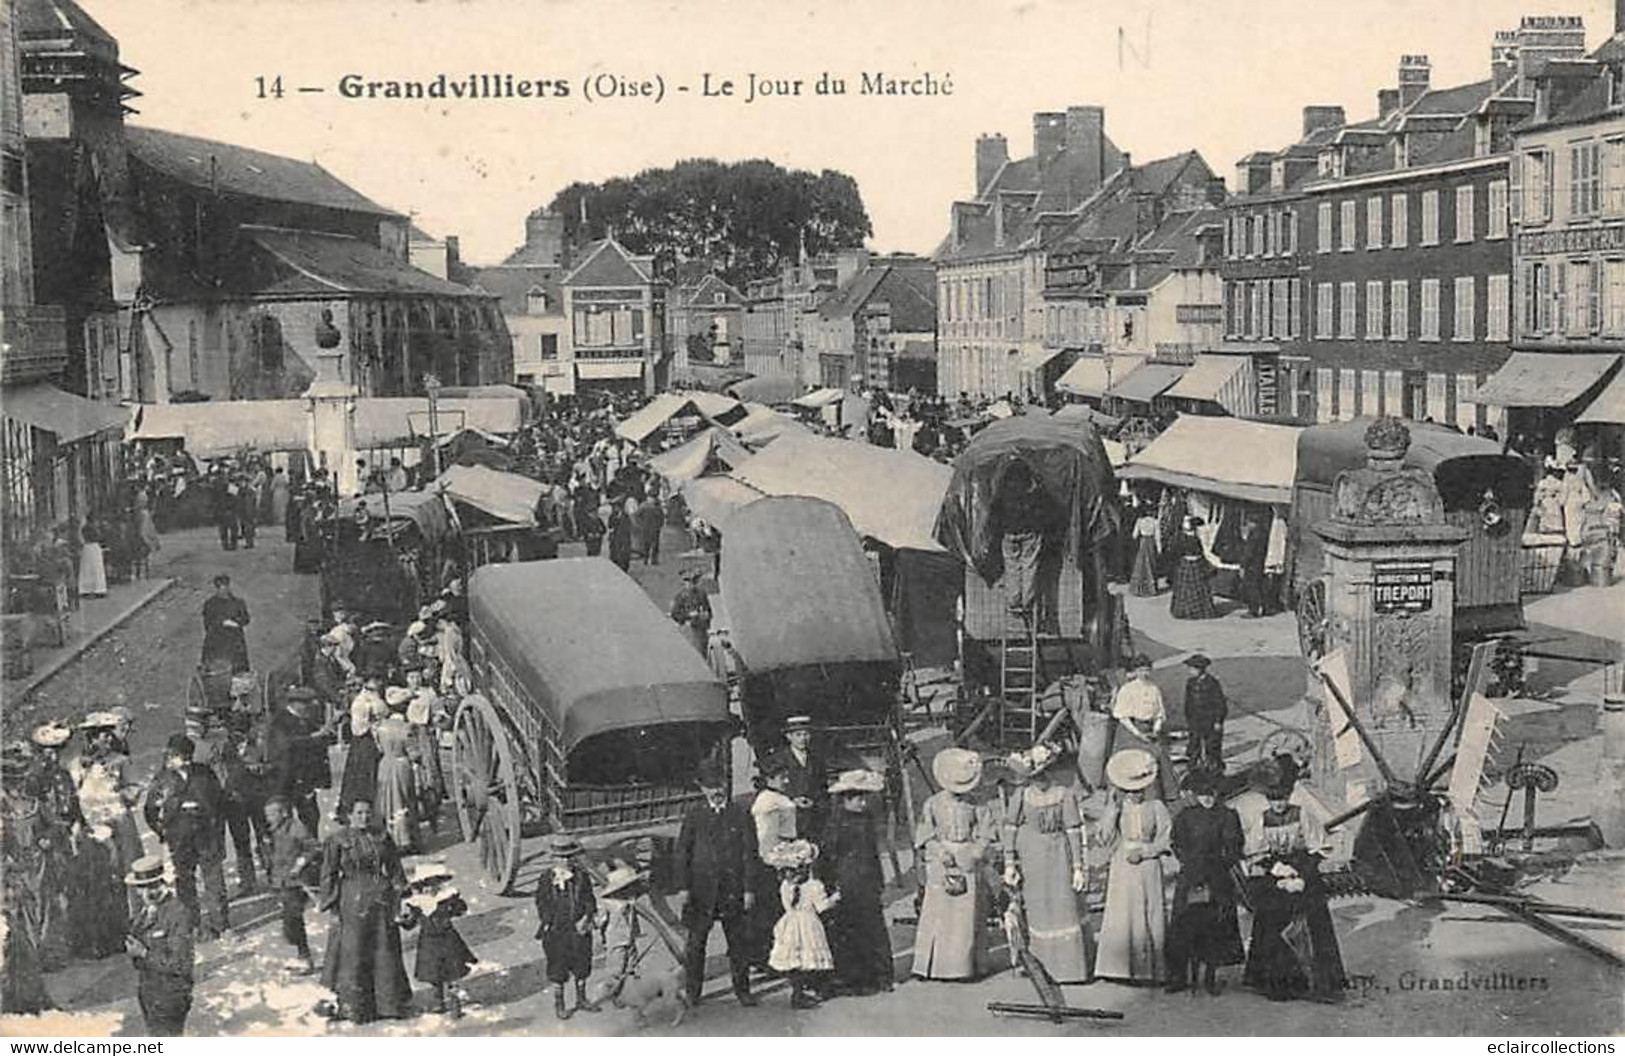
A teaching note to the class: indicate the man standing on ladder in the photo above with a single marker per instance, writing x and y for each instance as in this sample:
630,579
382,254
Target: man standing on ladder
1023,515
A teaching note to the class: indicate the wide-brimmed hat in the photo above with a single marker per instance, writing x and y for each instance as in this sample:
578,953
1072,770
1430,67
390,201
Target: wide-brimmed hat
430,872
693,573
563,845
100,720
791,854
198,715
1198,661
1034,760
857,781
619,879
375,627
145,872
957,769
397,696
51,734
1132,769
415,628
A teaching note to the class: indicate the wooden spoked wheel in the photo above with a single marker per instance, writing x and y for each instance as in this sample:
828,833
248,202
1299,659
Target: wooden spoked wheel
485,787
1286,741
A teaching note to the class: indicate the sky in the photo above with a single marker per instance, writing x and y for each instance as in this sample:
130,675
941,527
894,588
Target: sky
1224,77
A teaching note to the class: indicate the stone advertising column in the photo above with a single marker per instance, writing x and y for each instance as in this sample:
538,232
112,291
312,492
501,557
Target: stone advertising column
1390,595
330,403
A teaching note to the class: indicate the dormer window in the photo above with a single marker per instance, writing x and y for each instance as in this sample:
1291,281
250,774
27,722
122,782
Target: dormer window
536,301
719,298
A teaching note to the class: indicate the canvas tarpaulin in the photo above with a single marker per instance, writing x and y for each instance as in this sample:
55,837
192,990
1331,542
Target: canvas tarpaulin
714,500
653,416
693,458
891,496
284,425
1250,461
762,425
1068,462
505,496
422,508
1545,379
591,649
70,417
1609,406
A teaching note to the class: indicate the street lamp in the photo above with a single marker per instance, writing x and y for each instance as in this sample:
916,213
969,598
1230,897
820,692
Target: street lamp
431,388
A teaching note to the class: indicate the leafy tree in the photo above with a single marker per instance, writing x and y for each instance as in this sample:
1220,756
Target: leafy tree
748,216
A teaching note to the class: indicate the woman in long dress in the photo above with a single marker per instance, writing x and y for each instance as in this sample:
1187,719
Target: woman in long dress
361,885
1192,593
1143,582
951,840
1294,951
849,863
396,802
360,781
1207,840
1134,929
773,813
1046,857
92,563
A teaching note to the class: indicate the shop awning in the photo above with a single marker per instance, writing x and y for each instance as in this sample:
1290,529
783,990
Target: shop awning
1545,379
1216,379
1609,406
70,417
1086,377
608,369
505,496
819,398
1250,461
209,429
1147,381
1034,358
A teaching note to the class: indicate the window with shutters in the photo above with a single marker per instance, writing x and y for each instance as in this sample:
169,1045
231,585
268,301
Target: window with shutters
1373,222
1463,326
1346,235
1464,213
1430,218
1613,178
1294,307
1255,317
1428,327
1289,237
1238,309
1497,308
1585,178
1613,320
1323,228
1229,231
1496,222
1581,300
1558,297
1374,321
1272,233
1258,235
1323,309
1399,310
1399,210
1537,187
1348,309
1280,308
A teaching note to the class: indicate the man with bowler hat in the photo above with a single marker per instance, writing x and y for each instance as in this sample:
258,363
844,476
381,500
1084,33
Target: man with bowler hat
160,943
712,867
184,809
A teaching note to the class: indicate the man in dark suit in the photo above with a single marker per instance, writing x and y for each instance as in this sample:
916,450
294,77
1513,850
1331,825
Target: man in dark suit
184,809
225,615
808,772
296,754
715,853
160,944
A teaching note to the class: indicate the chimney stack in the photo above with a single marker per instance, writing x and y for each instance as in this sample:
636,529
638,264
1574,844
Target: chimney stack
1086,147
1049,136
1318,117
1387,101
1414,72
544,231
1504,56
1543,37
991,154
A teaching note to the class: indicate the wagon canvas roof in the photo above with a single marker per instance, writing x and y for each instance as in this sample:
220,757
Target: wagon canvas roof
590,648
1324,451
1250,461
505,496
1067,459
806,550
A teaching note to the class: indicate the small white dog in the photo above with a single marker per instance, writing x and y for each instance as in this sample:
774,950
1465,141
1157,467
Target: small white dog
648,992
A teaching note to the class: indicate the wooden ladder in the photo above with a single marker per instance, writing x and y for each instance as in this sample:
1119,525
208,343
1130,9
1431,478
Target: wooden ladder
1019,720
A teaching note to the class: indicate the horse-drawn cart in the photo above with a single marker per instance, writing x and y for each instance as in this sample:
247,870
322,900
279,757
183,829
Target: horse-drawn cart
592,714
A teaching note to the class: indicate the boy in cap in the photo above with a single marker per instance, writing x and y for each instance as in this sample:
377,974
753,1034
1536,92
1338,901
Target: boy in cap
293,865
1205,711
565,911
691,609
160,943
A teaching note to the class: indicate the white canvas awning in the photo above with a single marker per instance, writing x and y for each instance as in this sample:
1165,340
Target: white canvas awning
653,416
505,496
210,429
1086,377
1224,380
608,369
1243,460
1545,379
819,398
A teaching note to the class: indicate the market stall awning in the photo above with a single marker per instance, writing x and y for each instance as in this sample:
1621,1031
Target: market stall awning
653,416
691,459
1034,358
714,499
1609,406
1147,381
1243,460
210,429
505,496
762,425
608,369
1545,379
1086,377
1216,379
1082,412
892,496
819,398
766,390
70,417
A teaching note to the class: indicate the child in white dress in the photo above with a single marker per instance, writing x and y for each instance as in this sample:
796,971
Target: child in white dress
800,948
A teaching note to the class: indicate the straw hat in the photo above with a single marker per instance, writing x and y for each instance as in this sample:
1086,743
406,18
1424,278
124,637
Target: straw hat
620,878
1132,769
145,872
397,696
51,735
857,781
433,871
562,845
1198,661
798,722
415,628
100,720
957,769
791,854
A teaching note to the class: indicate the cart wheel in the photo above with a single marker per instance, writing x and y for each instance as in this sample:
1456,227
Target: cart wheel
486,789
1286,742
1312,620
